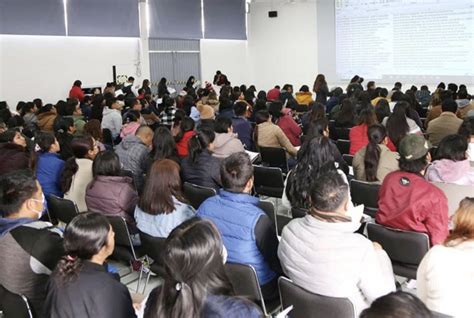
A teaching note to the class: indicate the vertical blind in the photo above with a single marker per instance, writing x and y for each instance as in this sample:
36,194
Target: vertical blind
224,19
32,17
103,18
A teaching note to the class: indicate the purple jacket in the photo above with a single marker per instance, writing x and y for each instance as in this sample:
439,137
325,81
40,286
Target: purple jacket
113,196
449,171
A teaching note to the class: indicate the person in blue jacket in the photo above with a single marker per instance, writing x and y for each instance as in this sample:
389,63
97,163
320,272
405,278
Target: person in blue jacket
49,165
248,233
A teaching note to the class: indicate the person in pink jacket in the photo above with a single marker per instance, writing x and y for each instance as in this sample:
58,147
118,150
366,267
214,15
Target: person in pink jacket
283,118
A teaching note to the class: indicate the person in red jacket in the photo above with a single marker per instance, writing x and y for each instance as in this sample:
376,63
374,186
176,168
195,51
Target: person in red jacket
186,131
407,201
284,120
76,91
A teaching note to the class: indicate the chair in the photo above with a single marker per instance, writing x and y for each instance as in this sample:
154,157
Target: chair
268,181
342,133
309,305
197,194
274,157
107,137
405,248
348,159
455,193
153,248
61,209
343,146
129,173
298,212
13,305
366,193
245,282
300,108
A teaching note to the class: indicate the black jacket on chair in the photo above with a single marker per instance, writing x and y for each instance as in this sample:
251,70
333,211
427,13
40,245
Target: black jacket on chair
204,172
93,293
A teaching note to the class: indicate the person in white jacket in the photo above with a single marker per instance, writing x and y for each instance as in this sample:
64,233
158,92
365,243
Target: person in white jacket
112,117
322,254
445,277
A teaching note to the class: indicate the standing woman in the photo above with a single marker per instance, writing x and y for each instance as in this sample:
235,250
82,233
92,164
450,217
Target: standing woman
321,89
77,173
49,165
146,87
80,286
195,284
162,88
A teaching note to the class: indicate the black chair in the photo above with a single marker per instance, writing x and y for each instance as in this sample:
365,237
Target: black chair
61,209
13,305
274,157
128,173
332,130
269,210
268,181
406,249
197,194
298,212
245,282
300,108
309,305
366,193
153,247
342,133
343,145
348,159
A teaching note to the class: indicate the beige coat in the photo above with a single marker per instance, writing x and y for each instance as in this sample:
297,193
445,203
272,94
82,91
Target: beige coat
226,144
270,135
388,162
80,180
446,124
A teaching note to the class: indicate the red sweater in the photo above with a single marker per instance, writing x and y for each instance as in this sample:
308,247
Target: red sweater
77,93
408,202
182,145
291,129
359,139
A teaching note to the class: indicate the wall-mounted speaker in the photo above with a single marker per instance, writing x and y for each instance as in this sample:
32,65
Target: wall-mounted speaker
272,14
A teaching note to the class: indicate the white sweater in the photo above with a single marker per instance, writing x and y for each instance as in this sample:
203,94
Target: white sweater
80,180
331,260
445,279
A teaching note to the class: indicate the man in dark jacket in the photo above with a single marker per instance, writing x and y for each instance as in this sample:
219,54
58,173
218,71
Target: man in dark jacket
248,233
29,248
242,126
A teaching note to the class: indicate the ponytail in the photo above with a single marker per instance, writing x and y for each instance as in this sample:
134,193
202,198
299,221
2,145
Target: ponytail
80,147
376,134
68,268
70,169
199,142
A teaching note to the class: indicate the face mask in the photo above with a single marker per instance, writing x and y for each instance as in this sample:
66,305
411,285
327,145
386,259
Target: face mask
43,202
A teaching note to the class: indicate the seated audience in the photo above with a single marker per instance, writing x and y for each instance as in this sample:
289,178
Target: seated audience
77,171
112,117
358,134
434,108
373,162
382,110
304,96
464,104
109,192
316,112
335,99
131,123
30,248
162,205
267,134
49,165
446,274
133,153
64,131
316,156
242,126
322,254
28,112
407,201
344,118
248,233
14,153
163,146
46,117
195,284
186,131
80,286
226,142
398,304
467,131
169,111
190,108
284,120
451,164
200,167
74,111
382,95
446,124
92,128
399,125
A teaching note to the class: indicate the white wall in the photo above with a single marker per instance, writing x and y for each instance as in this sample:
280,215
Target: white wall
46,66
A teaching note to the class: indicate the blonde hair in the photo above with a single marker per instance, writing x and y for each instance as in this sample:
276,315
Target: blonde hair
463,221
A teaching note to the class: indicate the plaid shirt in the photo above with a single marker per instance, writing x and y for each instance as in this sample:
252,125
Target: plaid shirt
167,116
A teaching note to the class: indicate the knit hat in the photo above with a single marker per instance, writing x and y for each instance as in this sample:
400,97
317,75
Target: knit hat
207,112
413,147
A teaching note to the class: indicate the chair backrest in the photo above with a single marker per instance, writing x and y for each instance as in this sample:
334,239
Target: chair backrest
62,209
274,157
404,247
129,173
343,145
298,212
348,159
269,209
153,247
455,193
309,305
366,193
268,181
13,305
197,194
124,249
342,133
300,108
245,282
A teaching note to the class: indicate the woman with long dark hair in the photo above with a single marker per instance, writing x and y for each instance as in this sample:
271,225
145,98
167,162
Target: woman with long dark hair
162,205
77,173
49,164
80,286
200,167
321,89
146,86
186,132
399,125
195,284
14,153
358,133
345,118
374,161
382,110
317,111
162,88
163,146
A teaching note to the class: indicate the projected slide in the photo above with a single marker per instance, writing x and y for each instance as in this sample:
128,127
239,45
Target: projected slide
399,38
